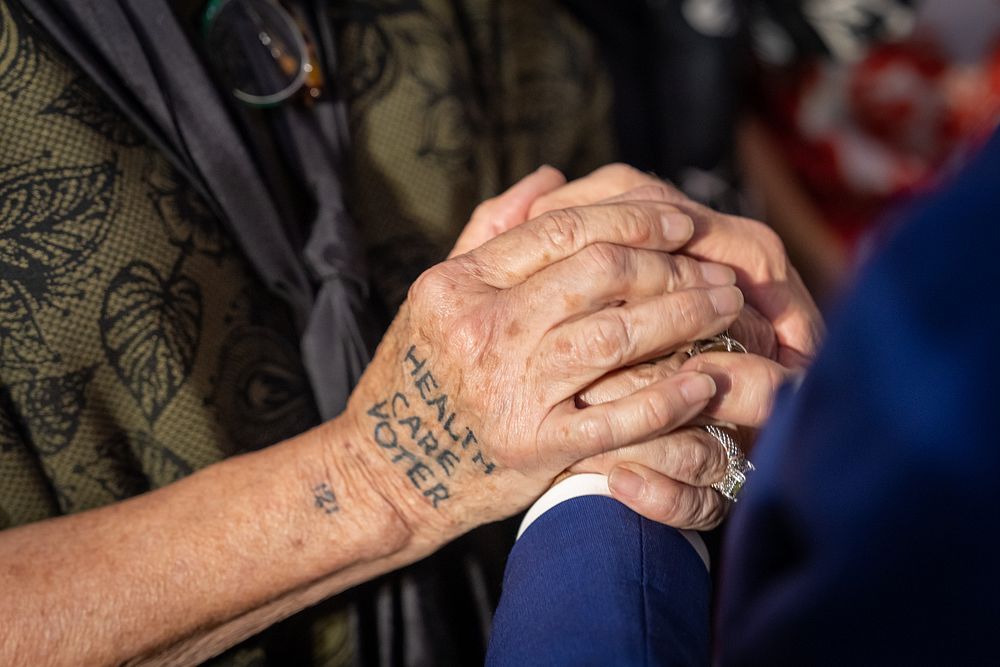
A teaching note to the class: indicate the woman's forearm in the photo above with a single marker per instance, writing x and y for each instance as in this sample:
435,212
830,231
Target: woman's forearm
203,563
198,647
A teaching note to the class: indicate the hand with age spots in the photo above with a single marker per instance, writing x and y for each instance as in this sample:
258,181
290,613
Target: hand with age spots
468,410
668,478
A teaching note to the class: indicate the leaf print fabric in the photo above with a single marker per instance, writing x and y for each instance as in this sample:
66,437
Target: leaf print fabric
51,222
150,328
116,285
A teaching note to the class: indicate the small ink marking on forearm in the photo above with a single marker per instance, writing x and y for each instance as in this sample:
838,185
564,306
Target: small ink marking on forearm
325,499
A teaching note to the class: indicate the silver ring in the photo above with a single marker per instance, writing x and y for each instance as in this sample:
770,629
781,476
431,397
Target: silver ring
737,465
722,342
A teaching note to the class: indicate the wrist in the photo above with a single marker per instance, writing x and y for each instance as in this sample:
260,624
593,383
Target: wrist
406,522
418,447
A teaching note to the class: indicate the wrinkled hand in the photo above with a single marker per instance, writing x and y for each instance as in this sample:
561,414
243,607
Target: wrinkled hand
754,250
668,478
671,475
467,412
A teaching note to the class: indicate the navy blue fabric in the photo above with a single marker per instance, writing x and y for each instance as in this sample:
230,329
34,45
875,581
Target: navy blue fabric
592,583
869,533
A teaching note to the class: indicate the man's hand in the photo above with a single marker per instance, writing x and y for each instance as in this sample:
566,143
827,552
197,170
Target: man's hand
467,412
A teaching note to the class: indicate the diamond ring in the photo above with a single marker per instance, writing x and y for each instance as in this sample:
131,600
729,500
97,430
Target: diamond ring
737,465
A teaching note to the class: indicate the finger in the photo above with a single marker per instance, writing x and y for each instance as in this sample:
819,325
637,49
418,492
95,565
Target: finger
603,274
651,189
665,500
689,455
755,333
578,352
773,285
509,209
747,385
756,252
516,255
600,184
656,409
624,381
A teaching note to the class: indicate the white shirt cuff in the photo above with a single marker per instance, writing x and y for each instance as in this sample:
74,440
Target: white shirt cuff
590,484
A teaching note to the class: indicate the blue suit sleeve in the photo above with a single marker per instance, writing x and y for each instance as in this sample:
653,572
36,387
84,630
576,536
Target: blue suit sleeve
592,583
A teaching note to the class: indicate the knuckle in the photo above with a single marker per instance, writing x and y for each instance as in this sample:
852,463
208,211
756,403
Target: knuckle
712,510
683,270
560,353
595,431
562,228
766,239
698,464
426,288
656,410
714,457
611,261
468,334
608,342
484,210
718,460
694,311
435,298
620,172
638,224
675,507
755,333
702,508
676,271
646,374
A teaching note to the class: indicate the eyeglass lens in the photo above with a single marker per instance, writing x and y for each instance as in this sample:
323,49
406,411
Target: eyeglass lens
257,48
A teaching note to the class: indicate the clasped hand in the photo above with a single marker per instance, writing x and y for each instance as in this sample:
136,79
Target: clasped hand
550,345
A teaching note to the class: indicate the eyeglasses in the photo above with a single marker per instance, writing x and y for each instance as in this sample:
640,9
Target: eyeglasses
261,51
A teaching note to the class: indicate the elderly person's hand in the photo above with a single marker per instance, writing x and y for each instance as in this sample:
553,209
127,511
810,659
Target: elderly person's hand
754,250
780,326
668,479
468,410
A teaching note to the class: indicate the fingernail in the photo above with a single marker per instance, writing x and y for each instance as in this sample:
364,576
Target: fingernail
625,483
717,274
697,388
726,300
677,227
